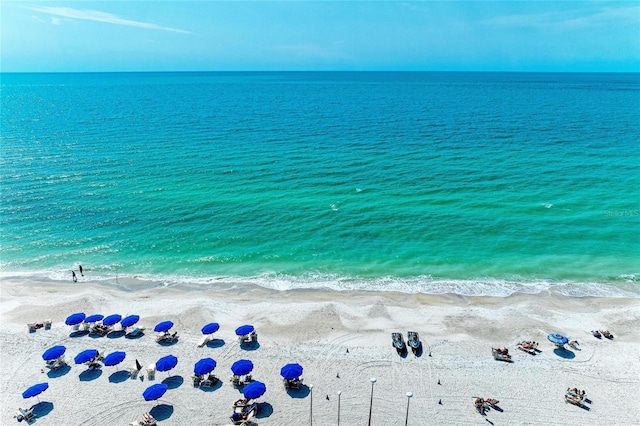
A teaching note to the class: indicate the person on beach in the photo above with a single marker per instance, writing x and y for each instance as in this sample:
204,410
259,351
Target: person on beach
75,278
80,267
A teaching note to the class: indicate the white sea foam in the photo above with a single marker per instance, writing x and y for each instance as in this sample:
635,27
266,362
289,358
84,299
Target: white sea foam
416,285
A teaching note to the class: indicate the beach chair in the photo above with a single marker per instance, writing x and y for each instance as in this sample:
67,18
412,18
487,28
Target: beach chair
528,347
138,331
606,334
293,383
413,339
204,341
575,345
235,380
26,415
398,343
151,372
501,354
148,420
211,380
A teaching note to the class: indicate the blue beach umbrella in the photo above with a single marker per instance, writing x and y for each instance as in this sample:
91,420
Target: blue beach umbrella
130,320
112,319
154,392
204,366
243,330
166,363
163,326
85,356
93,318
558,339
114,358
210,328
291,371
74,319
35,390
254,390
53,353
242,367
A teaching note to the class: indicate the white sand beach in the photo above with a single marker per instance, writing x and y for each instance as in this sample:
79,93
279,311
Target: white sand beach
342,339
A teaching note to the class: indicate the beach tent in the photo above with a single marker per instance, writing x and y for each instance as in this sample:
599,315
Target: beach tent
75,319
130,320
154,392
243,330
254,390
163,326
86,356
166,363
242,367
204,366
53,353
35,390
112,319
93,318
210,328
114,358
291,371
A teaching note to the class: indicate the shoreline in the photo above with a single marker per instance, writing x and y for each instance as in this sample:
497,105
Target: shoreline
316,328
423,285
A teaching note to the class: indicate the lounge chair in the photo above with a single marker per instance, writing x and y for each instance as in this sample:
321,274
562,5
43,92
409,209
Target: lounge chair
235,380
606,334
243,413
575,345
575,392
197,380
138,331
501,354
413,339
26,415
204,341
249,338
575,400
33,326
398,343
491,402
148,420
528,347
480,405
167,337
151,371
293,383
54,364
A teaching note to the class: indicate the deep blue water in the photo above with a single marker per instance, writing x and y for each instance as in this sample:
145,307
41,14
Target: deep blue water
471,183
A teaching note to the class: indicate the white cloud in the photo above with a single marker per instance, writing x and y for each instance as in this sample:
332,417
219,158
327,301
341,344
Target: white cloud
97,16
574,19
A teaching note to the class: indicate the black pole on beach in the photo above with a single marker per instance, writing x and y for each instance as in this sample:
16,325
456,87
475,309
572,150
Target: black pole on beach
339,393
373,381
311,405
406,419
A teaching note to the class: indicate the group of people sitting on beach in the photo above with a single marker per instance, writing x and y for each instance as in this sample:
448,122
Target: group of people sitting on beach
483,405
575,396
601,333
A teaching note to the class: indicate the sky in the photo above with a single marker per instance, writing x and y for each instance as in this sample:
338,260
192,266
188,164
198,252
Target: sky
205,35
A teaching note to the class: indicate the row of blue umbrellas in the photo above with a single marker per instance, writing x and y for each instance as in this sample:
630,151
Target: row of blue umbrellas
79,317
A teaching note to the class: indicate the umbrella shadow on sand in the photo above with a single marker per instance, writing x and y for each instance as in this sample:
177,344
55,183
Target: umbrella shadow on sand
564,353
58,372
161,411
116,334
43,408
173,382
78,333
302,392
249,346
217,386
90,374
215,343
264,410
119,376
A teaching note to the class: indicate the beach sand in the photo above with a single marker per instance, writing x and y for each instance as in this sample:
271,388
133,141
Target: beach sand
342,339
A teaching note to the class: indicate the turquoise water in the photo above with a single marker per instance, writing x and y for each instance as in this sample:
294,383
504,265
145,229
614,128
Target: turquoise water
486,183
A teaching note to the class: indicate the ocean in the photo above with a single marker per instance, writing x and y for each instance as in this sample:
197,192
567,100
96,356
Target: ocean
464,183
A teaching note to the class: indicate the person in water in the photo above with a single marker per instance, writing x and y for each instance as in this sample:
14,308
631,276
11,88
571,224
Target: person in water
80,267
75,278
